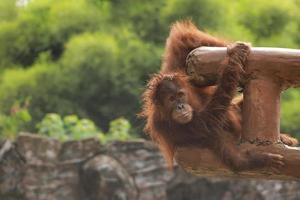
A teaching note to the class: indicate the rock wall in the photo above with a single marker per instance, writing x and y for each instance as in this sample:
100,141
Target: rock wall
38,168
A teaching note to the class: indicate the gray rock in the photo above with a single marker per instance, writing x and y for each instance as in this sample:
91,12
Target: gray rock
11,171
37,149
145,164
39,168
104,178
51,181
79,150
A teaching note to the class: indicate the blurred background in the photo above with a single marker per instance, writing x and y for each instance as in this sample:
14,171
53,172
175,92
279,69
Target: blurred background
79,66
75,69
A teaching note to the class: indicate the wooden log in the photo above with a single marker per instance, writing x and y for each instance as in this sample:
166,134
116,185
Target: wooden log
270,70
203,162
261,110
280,64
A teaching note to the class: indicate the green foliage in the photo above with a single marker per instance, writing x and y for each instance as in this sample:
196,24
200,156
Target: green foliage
67,19
145,16
90,84
8,10
97,78
16,121
202,12
290,116
27,35
44,25
269,21
72,128
119,129
35,83
69,127
52,125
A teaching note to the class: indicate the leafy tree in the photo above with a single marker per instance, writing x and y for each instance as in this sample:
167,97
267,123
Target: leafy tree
142,16
44,25
206,13
8,10
290,116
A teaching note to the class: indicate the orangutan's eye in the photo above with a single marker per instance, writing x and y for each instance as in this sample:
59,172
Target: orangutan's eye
180,94
172,99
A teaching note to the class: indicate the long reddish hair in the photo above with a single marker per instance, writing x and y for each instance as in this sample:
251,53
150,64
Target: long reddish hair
158,123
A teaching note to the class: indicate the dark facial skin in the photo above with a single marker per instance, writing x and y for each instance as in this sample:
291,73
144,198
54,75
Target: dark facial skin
175,100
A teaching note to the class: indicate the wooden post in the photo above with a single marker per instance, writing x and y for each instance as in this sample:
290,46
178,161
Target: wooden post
261,110
270,70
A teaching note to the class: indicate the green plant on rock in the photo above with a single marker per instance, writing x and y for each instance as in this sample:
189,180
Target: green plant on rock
119,129
72,127
53,126
69,127
80,128
15,122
